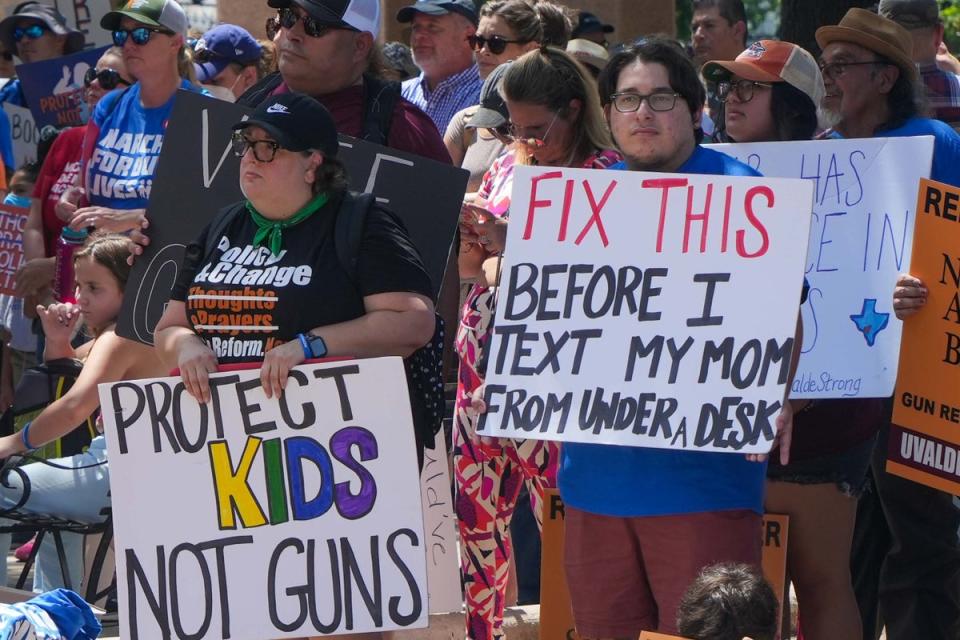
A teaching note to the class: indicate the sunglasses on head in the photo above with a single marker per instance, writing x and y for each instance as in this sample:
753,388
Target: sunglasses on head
33,32
494,44
109,79
206,55
139,35
287,18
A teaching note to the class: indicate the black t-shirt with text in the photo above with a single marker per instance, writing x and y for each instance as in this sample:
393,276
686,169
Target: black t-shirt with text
243,301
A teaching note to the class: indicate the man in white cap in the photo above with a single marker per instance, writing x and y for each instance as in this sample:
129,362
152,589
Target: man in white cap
324,50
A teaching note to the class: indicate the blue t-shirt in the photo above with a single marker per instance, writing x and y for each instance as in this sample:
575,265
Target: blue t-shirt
119,172
946,146
635,481
12,93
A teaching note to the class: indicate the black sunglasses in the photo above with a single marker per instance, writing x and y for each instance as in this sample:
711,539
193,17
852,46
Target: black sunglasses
109,79
495,44
206,55
311,26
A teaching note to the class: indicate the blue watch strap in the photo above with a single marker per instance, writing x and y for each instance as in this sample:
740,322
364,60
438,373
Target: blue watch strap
305,345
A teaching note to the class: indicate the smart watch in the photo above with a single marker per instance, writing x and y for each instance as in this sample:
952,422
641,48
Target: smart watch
313,346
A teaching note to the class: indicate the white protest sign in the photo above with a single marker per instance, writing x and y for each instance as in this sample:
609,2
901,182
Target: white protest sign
250,518
85,16
24,132
865,196
440,526
646,309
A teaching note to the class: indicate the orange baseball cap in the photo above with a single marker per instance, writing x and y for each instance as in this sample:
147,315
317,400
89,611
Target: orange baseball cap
772,61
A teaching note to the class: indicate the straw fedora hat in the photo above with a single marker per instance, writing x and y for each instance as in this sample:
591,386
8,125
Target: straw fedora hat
874,32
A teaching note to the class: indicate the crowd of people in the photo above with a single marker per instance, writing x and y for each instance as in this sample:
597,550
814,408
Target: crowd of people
659,540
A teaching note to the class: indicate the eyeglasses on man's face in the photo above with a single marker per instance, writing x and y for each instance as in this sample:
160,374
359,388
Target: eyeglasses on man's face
629,102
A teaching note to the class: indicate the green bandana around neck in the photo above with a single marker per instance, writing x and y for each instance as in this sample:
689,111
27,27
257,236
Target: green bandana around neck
273,229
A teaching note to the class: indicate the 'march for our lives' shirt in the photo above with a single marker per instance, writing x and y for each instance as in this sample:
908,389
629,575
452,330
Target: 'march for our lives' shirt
122,146
635,481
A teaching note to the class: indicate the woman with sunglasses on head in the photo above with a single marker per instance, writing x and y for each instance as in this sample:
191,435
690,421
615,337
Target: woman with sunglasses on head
507,29
772,92
295,188
125,134
58,173
556,121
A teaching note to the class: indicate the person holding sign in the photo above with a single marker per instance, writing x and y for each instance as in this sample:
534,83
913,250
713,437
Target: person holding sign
78,488
123,138
264,281
556,121
641,523
57,174
910,578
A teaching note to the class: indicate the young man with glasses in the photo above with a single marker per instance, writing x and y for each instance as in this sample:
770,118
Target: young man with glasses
906,559
641,523
440,37
324,50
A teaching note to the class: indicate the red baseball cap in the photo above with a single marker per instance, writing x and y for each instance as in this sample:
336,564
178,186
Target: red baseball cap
772,61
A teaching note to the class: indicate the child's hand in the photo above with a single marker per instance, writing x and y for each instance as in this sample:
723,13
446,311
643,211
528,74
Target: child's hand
59,320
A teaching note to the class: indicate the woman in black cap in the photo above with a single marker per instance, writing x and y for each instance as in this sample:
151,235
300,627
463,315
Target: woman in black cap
264,282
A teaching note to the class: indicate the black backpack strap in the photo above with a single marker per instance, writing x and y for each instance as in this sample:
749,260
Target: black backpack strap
259,92
379,101
217,226
348,231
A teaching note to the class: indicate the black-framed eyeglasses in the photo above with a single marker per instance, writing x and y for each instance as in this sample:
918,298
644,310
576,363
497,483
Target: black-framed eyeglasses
628,102
495,44
109,79
743,88
33,32
286,18
834,70
263,150
139,35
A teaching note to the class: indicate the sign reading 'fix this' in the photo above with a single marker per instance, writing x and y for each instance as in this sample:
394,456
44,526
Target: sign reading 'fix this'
649,310
252,518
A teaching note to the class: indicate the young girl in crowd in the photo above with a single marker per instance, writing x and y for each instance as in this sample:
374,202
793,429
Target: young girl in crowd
507,29
557,121
77,488
770,93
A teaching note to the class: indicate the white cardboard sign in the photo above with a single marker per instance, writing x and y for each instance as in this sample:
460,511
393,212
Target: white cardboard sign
865,197
645,309
440,528
251,518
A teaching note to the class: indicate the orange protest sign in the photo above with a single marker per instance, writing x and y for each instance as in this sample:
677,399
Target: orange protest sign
556,617
12,220
924,443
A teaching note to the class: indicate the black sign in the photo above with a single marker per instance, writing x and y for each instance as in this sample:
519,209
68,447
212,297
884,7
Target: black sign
197,175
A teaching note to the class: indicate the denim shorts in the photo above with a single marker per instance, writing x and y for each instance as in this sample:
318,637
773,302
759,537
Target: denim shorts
847,469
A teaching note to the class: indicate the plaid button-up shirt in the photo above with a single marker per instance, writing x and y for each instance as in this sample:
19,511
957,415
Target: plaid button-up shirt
452,94
943,93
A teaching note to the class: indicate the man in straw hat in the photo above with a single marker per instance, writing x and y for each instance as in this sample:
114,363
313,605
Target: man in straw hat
871,87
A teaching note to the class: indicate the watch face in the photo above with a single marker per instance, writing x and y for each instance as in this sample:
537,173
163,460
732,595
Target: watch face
318,347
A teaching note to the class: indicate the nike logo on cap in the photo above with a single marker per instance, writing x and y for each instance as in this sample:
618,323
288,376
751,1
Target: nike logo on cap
277,108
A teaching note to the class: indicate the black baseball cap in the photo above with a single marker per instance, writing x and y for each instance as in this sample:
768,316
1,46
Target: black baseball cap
46,14
492,112
466,8
589,23
297,122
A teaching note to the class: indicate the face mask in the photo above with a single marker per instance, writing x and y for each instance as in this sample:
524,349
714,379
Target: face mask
14,200
84,111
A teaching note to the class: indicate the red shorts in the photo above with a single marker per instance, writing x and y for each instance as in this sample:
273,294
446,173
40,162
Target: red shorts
627,575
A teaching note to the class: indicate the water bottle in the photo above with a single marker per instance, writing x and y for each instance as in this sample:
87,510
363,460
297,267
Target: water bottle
64,287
